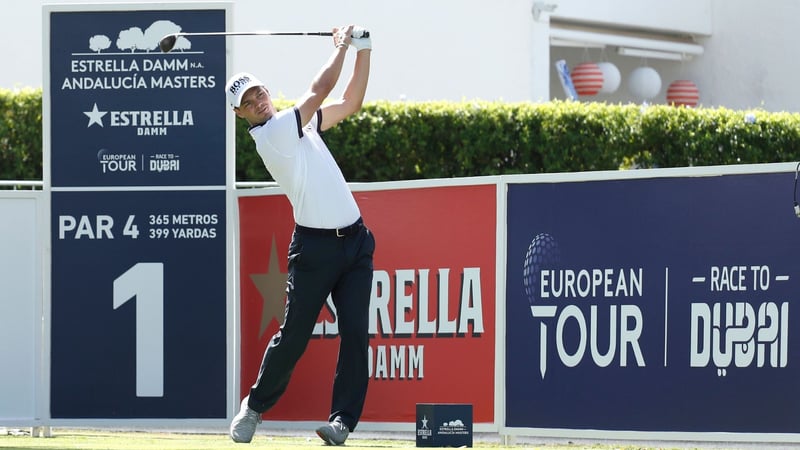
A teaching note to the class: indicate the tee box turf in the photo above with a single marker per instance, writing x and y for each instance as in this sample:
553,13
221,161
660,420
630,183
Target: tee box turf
444,425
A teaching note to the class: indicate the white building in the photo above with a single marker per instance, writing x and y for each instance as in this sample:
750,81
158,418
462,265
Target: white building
737,52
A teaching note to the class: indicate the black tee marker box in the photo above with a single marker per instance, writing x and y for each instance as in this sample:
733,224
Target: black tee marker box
444,425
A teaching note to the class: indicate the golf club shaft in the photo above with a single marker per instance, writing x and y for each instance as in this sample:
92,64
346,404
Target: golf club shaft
258,33
167,43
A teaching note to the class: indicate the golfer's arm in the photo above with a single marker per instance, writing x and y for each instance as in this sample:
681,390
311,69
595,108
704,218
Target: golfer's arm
353,97
322,85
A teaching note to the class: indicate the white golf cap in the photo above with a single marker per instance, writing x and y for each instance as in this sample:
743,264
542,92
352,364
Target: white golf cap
237,85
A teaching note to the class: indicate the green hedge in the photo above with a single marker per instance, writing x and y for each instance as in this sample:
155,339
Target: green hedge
406,140
21,134
411,140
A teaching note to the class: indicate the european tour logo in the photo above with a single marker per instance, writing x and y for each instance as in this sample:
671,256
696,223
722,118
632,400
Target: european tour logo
558,295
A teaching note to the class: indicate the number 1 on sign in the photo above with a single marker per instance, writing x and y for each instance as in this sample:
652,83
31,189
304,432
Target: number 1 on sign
145,281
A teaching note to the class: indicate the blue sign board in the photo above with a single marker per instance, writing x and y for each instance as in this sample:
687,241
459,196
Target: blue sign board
138,174
139,311
660,304
126,114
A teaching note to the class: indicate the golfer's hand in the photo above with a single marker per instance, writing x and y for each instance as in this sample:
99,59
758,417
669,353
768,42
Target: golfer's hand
361,39
342,36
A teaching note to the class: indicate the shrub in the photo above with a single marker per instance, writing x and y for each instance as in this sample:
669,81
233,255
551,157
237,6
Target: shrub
412,140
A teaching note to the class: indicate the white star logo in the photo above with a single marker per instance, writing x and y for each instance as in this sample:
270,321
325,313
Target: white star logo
95,116
424,422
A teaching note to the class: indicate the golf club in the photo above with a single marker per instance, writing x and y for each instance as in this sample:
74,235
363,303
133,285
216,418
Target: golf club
167,43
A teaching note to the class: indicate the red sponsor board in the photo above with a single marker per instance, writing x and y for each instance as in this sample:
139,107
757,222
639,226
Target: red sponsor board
432,313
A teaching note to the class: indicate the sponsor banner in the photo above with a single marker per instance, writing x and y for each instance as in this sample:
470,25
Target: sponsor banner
653,305
139,305
139,273
125,114
432,313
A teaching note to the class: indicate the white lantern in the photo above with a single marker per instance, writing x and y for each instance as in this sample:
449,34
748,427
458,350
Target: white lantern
644,83
611,77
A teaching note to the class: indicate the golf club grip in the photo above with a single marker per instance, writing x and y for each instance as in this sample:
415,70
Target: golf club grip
317,33
365,34
293,33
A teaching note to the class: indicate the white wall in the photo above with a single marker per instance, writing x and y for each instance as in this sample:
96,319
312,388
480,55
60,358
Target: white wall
20,305
751,60
478,49
423,50
685,16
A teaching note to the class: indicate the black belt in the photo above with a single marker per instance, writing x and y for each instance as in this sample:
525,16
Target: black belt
333,232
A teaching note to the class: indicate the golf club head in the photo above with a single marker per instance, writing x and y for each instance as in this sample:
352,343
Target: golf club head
167,42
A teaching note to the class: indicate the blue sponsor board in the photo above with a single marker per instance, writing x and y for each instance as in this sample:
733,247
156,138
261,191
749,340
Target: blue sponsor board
139,311
125,114
138,170
660,304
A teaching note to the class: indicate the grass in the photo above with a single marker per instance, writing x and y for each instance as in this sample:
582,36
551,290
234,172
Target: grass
134,440
83,439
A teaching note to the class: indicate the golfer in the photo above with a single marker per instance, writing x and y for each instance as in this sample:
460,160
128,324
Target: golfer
331,249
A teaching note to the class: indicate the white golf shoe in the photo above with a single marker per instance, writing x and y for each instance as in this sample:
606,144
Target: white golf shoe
334,433
243,426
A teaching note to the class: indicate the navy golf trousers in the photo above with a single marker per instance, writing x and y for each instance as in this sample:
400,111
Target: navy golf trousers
322,262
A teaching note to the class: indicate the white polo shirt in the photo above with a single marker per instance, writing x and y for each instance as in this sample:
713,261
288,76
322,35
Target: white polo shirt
298,159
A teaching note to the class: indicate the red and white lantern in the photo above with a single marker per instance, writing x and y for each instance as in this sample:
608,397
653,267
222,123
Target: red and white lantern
587,79
683,93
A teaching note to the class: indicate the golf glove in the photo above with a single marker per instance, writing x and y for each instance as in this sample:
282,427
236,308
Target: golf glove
361,39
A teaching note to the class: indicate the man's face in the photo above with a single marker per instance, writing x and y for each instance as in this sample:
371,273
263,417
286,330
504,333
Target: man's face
256,106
